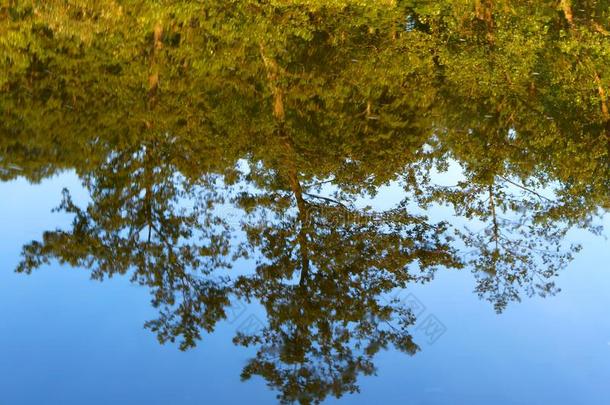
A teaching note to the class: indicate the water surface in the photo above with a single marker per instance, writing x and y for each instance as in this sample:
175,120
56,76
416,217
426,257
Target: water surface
307,202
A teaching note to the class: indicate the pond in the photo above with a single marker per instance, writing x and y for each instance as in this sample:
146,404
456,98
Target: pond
254,202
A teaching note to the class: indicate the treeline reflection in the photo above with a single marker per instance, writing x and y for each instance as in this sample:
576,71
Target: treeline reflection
292,114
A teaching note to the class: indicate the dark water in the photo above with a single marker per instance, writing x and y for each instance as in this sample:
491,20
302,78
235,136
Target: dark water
304,201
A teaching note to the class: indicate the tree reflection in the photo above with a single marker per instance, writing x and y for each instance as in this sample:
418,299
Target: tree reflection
292,115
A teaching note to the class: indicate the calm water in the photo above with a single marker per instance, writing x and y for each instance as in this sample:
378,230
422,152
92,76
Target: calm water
304,202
